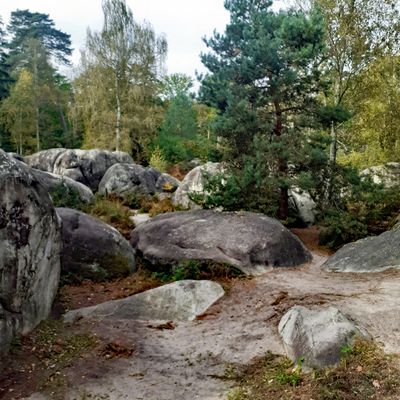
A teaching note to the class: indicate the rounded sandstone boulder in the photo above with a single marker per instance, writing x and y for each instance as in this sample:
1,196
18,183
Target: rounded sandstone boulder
30,244
253,243
92,249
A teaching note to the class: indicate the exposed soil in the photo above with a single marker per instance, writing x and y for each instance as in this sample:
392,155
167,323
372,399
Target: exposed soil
164,360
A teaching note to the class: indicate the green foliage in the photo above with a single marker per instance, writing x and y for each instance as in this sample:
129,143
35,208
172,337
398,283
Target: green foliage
197,270
365,372
112,211
254,185
360,208
341,227
175,85
186,270
372,138
178,137
157,160
5,78
264,78
116,90
25,25
64,196
17,112
34,45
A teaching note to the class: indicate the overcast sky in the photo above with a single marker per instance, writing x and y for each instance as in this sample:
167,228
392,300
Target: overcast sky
184,22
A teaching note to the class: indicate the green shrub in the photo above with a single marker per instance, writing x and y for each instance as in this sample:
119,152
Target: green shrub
361,208
157,160
64,196
112,211
197,269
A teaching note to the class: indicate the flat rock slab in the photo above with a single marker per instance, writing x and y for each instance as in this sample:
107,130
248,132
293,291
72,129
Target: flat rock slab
178,301
373,254
253,243
316,336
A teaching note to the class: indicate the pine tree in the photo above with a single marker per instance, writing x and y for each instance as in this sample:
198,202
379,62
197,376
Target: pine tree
264,79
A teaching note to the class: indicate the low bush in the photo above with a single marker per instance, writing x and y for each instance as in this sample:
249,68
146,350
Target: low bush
112,211
364,209
64,196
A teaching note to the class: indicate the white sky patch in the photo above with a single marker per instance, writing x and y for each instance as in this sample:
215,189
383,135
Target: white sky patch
183,22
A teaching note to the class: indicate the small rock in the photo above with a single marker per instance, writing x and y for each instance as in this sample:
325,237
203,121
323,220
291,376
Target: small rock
194,183
139,219
317,336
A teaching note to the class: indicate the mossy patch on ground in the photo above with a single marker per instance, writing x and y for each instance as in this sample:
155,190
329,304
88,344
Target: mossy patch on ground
38,362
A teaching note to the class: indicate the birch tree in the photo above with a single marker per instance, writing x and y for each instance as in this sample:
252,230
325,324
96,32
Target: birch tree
130,55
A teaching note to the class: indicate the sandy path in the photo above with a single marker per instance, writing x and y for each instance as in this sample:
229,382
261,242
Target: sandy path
189,362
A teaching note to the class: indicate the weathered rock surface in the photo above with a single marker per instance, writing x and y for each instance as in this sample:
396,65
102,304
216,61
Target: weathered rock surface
30,243
16,156
316,335
130,179
254,243
85,166
302,205
141,218
93,249
372,254
53,182
45,159
167,183
194,183
387,174
178,301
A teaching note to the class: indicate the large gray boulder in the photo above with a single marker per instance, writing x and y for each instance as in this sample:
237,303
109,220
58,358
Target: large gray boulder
64,185
45,159
372,254
30,244
194,183
387,174
85,166
253,243
131,179
317,336
302,205
178,301
92,249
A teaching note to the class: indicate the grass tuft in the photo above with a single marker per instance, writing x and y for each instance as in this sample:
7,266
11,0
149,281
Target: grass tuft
364,373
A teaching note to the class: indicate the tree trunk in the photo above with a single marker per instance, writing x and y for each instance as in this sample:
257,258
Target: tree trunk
37,128
118,116
283,211
36,89
333,147
62,117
